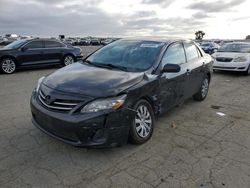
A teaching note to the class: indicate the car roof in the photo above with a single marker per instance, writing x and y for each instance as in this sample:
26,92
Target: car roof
42,39
156,39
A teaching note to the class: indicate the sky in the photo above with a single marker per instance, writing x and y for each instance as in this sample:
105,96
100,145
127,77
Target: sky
222,19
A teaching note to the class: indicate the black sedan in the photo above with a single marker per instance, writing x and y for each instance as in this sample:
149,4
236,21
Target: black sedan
115,93
33,52
209,47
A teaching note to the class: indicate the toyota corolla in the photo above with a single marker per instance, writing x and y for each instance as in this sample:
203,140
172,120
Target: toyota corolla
233,57
115,94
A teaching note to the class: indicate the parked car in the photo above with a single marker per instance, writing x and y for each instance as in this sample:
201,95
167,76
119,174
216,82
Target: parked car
107,41
233,57
209,47
95,42
84,42
115,93
33,52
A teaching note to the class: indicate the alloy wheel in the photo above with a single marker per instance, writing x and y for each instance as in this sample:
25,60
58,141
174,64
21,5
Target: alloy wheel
68,60
143,121
204,88
8,66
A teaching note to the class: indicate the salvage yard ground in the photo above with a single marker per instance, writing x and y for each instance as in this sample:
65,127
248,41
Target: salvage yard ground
192,146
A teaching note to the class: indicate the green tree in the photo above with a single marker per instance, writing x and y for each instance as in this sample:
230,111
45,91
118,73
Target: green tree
199,35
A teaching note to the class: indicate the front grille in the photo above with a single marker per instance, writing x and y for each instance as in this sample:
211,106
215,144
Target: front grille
224,59
57,104
218,67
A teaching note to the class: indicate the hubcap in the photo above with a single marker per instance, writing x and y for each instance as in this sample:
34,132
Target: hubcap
143,121
8,66
68,60
204,88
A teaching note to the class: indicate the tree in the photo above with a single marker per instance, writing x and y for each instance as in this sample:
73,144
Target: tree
248,37
199,35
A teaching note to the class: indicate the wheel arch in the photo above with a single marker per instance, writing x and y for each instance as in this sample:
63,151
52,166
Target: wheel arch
151,102
11,57
209,76
69,53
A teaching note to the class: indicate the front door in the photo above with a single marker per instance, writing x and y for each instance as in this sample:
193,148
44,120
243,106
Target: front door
32,53
171,84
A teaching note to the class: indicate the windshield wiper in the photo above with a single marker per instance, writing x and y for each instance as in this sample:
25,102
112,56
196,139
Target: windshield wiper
103,65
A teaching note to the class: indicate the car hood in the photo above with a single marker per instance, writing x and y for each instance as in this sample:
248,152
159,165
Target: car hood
229,54
93,81
5,50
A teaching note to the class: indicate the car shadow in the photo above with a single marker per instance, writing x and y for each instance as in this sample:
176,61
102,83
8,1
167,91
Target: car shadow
229,73
37,68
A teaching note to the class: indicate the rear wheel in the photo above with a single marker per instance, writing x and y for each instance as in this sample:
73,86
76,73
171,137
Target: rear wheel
143,123
8,65
68,59
203,91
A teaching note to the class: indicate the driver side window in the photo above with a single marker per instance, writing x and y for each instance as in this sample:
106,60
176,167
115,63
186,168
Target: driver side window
175,54
34,45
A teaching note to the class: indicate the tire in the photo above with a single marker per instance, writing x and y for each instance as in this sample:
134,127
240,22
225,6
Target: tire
203,91
247,72
7,66
143,123
68,59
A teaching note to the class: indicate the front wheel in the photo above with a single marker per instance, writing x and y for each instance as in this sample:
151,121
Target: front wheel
203,91
68,59
7,66
247,73
143,123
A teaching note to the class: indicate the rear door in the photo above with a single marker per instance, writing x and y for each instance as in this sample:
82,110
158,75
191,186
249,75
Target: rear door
54,51
194,74
171,84
32,53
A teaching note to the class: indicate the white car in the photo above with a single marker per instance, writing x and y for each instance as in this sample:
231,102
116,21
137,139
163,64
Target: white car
233,57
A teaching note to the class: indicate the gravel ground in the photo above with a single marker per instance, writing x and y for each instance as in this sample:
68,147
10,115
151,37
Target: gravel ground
192,145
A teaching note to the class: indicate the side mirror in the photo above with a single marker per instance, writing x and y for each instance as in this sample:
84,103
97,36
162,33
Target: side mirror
24,48
171,68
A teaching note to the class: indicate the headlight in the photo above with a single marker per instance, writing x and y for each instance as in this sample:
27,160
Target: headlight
240,59
39,83
104,104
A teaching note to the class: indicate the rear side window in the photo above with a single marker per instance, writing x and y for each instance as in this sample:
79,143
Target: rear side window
175,54
53,44
34,45
191,51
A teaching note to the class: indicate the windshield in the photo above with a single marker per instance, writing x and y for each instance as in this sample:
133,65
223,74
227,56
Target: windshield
16,44
133,55
235,47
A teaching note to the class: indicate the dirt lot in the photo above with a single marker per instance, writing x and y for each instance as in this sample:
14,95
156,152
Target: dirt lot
192,146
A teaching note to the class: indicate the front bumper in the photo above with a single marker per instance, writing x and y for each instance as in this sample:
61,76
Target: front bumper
231,66
79,57
95,129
